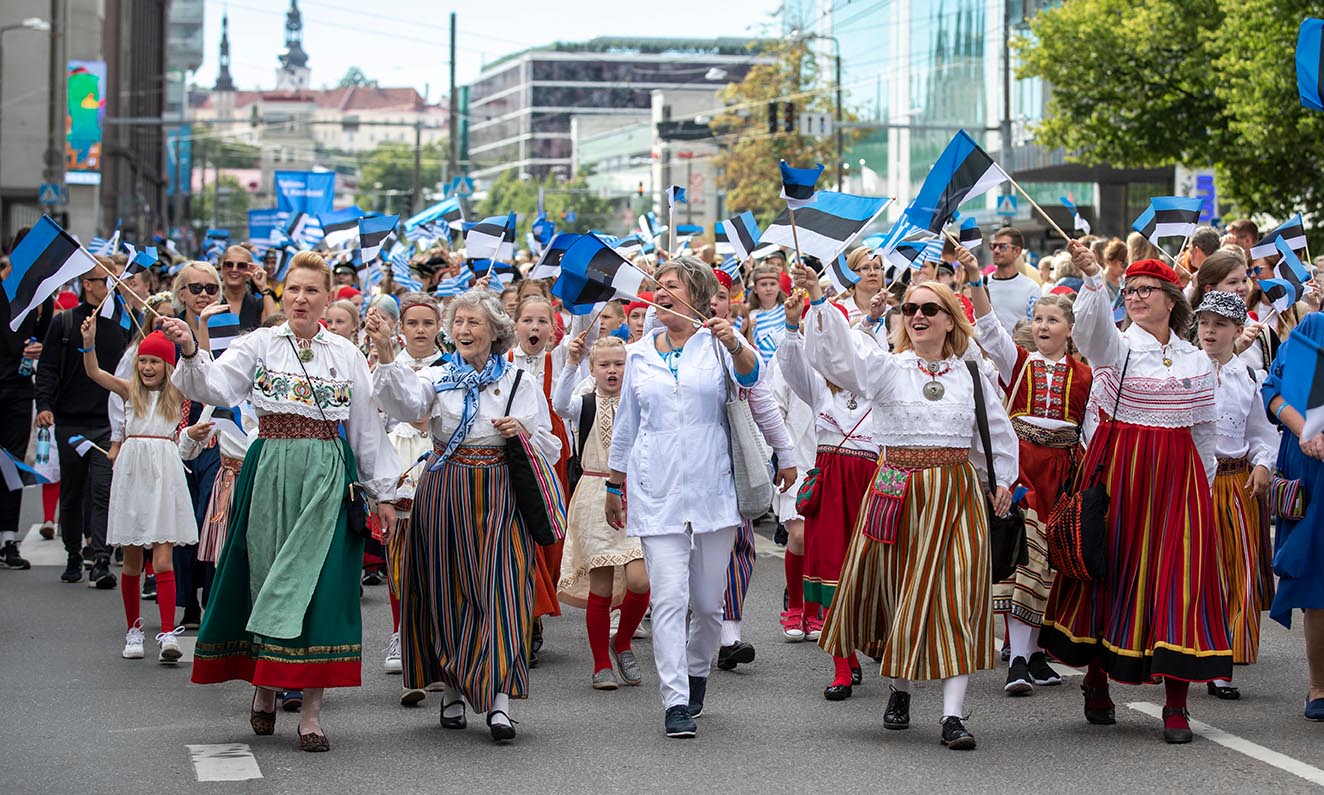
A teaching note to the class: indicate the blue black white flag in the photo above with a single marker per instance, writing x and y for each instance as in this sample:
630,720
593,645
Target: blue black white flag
629,246
373,234
491,238
743,233
1168,216
1310,64
962,172
81,445
1292,231
447,211
1280,294
840,274
46,258
1077,220
721,241
798,184
340,227
675,195
825,225
1290,268
548,265
221,330
591,272
969,235
139,261
18,474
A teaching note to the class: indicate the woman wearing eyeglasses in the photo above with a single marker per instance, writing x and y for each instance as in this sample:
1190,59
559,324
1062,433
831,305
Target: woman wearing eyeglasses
1159,614
869,267
914,587
237,270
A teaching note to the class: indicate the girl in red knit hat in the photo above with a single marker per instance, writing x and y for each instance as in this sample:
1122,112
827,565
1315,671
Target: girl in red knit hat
149,498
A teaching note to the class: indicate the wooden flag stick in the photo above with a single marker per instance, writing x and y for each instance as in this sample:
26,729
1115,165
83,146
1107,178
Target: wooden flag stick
795,236
1036,206
120,282
671,225
697,323
650,278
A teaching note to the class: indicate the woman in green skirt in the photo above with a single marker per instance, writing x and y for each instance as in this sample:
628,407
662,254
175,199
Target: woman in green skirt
284,613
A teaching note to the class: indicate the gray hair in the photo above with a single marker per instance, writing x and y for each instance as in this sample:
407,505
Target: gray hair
387,304
1205,238
487,303
698,278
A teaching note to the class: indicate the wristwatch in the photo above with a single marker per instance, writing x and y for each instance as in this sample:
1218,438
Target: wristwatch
268,292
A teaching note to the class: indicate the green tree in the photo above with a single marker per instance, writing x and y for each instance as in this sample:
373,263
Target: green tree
225,153
354,77
1153,83
747,164
391,164
232,204
509,192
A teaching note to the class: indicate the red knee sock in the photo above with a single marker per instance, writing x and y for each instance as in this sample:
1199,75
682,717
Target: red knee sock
1176,691
395,610
148,569
795,585
597,618
131,595
165,599
50,500
841,666
1095,677
632,612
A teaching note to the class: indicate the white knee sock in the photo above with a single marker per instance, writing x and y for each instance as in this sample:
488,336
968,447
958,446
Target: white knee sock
1222,683
1019,633
953,696
901,685
730,632
8,535
501,702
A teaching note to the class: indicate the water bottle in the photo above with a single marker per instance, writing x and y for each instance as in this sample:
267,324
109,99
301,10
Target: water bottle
28,364
43,446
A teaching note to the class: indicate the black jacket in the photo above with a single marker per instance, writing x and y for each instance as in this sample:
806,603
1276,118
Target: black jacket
62,384
12,385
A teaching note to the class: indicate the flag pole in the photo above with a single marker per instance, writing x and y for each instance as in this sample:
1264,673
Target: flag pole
1036,206
660,308
118,282
795,237
671,227
650,278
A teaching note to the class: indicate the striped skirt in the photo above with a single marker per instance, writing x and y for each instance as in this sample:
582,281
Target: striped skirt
922,603
739,570
1160,610
212,537
1242,538
466,605
844,477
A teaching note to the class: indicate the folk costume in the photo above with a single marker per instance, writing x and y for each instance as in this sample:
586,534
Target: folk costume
285,612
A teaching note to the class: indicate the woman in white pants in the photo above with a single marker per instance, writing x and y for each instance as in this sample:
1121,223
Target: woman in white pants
670,454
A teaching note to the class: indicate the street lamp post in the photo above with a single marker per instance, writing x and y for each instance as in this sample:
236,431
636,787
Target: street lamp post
34,24
837,129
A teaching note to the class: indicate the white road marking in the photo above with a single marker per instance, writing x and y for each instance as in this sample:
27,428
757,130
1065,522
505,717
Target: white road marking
224,762
40,551
1241,745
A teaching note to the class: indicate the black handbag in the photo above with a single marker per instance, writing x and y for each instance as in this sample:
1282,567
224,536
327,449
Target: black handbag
356,498
534,484
1006,534
1077,529
588,411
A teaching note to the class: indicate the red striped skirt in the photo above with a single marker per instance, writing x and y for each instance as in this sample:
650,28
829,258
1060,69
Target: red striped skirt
1243,558
212,537
1160,611
844,477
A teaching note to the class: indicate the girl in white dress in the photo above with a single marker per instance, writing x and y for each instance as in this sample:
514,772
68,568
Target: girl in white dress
149,498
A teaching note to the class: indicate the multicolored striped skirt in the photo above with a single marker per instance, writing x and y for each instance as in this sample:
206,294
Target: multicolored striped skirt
212,537
466,605
1160,611
1043,470
739,571
547,572
1243,556
844,476
921,604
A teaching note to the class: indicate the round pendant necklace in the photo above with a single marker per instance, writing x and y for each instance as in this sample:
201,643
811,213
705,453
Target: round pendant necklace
851,403
1167,360
933,390
305,349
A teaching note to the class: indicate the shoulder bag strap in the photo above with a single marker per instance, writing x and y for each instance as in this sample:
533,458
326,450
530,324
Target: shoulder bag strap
519,374
729,377
588,411
1020,376
1112,418
981,418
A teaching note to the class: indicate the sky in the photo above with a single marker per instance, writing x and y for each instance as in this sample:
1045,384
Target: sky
405,43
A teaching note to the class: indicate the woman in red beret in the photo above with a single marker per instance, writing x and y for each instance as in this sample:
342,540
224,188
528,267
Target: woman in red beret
1159,613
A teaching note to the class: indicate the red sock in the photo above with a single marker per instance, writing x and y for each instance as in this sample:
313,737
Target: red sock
632,612
1176,691
854,661
841,665
165,599
50,500
148,570
131,595
1095,677
395,610
795,585
597,617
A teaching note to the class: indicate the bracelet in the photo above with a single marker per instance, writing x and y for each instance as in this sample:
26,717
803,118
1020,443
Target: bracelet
270,293
87,350
979,283
1278,414
196,348
820,300
790,327
616,488
734,349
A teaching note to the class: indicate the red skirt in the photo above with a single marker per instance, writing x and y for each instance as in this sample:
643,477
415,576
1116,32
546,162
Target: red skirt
1160,611
548,571
1043,471
844,477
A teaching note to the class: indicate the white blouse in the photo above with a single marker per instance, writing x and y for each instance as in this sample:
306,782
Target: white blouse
894,384
262,366
1243,427
671,438
1157,394
838,413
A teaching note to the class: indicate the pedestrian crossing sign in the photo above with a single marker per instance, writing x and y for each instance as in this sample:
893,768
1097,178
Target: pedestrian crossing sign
49,193
1007,205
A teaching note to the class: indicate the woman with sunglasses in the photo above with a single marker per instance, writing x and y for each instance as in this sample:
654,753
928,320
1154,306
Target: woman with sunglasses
237,271
914,587
1159,614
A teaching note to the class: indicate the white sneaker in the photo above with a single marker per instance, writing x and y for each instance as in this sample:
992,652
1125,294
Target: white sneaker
392,664
133,642
170,651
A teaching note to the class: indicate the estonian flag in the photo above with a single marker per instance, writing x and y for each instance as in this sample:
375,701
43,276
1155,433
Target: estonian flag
373,233
798,185
1310,64
1293,230
455,285
731,267
222,329
743,233
230,422
340,227
675,195
649,226
1077,220
548,265
826,224
721,242
81,445
591,272
1302,372
18,474
139,261
1168,216
110,306
969,235
1279,293
491,238
962,172
629,245
1290,269
304,230
447,210
840,274
46,258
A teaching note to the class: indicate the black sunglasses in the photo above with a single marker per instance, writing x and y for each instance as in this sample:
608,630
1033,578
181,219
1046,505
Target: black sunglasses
198,289
235,265
929,308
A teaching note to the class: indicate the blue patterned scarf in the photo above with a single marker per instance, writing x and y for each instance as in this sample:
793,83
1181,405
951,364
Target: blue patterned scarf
459,374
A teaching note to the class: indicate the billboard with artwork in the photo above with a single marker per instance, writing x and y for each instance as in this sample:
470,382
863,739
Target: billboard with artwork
86,93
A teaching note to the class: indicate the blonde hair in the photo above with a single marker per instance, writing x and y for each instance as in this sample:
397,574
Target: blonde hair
602,344
958,339
532,300
180,284
311,261
348,308
1138,247
170,405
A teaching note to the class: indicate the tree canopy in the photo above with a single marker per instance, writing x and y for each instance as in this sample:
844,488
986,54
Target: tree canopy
509,192
354,77
391,163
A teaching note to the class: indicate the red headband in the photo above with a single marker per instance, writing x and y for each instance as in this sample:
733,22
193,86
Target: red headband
1154,269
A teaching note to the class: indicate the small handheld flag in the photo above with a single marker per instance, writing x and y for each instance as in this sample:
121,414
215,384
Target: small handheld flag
491,238
591,272
447,210
743,233
969,235
139,261
1077,220
962,172
675,195
798,184
1310,63
222,329
548,265
340,227
18,474
373,234
1293,231
46,258
1168,216
81,445
840,274
1290,268
1280,294
826,224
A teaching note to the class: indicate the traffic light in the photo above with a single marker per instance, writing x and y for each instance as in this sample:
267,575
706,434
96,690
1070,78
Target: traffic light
640,190
772,118
788,123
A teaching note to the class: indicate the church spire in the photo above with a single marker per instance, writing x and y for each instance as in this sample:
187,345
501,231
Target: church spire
223,80
294,57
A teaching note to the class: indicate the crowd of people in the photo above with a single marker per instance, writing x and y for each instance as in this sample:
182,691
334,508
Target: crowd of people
252,483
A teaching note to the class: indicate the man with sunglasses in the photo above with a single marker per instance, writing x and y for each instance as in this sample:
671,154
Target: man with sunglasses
1009,290
237,271
69,399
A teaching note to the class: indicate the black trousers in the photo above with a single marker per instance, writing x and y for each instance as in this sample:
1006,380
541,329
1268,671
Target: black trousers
15,430
84,490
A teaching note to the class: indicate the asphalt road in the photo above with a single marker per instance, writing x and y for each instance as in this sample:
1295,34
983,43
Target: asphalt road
77,718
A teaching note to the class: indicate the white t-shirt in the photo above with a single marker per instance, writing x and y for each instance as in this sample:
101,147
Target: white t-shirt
1011,297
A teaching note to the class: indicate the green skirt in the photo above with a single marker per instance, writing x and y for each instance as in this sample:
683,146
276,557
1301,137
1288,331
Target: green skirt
284,609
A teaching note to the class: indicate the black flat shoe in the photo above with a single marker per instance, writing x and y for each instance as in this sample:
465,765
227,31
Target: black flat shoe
1099,708
1178,735
314,742
263,723
1225,693
856,675
501,732
955,735
897,714
837,692
738,653
458,722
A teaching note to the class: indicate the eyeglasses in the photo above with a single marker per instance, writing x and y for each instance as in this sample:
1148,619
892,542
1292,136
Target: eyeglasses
929,308
1142,292
95,280
872,267
1000,246
198,289
234,266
